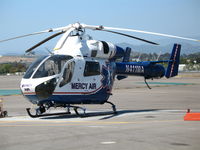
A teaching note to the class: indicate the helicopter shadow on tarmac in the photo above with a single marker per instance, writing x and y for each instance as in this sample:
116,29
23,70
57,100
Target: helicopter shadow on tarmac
107,114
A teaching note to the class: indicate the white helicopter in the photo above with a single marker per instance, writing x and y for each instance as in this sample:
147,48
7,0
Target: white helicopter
81,70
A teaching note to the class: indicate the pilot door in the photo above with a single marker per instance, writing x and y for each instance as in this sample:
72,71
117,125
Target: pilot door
67,73
49,71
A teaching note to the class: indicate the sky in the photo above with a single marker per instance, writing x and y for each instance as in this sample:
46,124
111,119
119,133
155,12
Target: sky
18,17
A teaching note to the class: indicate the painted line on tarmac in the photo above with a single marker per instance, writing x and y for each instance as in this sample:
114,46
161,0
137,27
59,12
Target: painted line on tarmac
62,121
87,123
108,142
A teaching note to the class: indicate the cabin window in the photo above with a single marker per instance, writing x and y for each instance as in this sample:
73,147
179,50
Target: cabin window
91,68
68,73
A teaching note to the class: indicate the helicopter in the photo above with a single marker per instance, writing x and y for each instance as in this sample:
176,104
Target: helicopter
82,70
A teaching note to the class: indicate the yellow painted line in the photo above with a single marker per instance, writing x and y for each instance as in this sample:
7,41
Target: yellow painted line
187,75
6,121
65,123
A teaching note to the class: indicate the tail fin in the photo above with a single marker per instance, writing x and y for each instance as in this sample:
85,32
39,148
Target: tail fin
173,64
127,55
125,59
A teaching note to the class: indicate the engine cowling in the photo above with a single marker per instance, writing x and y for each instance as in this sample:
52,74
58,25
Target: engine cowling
102,49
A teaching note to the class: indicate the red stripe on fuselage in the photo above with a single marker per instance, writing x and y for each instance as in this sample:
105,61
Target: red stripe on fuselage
31,93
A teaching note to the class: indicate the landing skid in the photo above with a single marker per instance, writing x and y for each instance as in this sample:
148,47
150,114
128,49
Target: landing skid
40,111
85,115
43,115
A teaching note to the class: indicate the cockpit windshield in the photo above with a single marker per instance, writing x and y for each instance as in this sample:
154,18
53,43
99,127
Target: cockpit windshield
33,66
49,67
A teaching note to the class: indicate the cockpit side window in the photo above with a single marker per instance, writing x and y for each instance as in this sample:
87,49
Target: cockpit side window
92,68
51,66
68,73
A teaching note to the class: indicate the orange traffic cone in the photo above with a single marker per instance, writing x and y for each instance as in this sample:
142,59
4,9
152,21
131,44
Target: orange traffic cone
194,116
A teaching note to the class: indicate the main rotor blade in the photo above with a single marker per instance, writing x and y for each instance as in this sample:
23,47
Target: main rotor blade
21,36
131,36
45,40
40,32
152,33
138,31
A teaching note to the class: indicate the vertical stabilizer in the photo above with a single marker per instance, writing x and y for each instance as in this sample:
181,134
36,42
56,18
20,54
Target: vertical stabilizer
127,55
173,64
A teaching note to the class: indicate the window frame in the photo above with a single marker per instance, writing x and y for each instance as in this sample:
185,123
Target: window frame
63,81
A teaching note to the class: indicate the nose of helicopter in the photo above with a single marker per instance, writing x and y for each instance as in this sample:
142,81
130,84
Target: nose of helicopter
37,89
27,87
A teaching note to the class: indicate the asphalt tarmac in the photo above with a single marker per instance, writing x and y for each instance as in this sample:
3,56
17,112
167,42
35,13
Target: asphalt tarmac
146,119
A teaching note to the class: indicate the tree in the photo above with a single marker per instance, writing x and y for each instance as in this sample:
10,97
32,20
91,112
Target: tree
12,68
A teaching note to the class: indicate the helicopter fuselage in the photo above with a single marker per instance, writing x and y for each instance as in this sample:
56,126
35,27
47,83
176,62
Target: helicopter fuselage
81,72
80,81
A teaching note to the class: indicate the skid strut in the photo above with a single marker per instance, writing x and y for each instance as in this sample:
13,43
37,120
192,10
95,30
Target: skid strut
77,113
113,107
